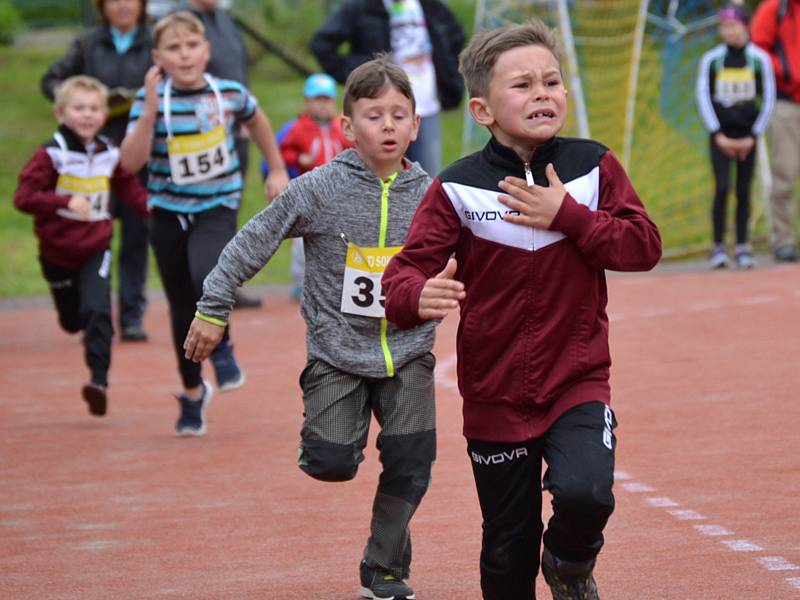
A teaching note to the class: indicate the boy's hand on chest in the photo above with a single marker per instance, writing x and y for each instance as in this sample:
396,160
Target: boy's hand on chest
537,205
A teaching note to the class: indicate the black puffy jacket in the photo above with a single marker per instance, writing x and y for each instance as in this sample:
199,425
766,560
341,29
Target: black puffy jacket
364,24
92,53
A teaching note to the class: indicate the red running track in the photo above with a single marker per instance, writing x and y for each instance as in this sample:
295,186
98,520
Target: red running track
706,389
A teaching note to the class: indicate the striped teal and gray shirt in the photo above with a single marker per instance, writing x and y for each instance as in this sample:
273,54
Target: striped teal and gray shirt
193,112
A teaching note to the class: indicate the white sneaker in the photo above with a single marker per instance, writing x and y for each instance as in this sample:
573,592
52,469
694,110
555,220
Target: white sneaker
720,259
745,260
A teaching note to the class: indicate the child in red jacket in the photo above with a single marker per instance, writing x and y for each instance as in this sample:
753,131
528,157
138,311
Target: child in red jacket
66,186
309,141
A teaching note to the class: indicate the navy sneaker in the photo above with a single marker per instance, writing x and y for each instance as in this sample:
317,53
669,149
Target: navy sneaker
133,333
569,580
95,396
229,375
192,420
379,584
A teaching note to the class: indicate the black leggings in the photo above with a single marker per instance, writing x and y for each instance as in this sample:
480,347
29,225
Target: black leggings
187,247
744,174
83,301
579,452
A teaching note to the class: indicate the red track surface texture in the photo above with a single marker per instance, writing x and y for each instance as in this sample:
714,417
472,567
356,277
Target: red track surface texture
706,389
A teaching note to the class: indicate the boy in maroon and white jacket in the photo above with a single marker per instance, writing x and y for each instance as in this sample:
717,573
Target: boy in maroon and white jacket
528,274
66,186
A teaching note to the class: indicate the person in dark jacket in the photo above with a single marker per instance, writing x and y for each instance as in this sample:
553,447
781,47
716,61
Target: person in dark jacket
117,53
533,221
422,36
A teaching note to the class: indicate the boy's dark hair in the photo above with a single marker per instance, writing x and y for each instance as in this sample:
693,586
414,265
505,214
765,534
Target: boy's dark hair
476,62
371,79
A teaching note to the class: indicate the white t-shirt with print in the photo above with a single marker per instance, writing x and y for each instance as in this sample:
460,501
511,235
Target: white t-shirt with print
412,50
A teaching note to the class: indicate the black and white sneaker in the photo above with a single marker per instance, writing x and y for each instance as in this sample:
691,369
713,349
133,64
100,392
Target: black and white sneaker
379,584
192,420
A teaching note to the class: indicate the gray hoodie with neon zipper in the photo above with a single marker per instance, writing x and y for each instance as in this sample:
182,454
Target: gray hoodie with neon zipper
338,202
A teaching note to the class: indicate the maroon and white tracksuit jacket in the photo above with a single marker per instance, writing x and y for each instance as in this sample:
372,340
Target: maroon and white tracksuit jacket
533,336
65,240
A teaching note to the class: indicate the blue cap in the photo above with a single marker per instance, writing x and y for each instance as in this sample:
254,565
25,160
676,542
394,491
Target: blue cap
319,84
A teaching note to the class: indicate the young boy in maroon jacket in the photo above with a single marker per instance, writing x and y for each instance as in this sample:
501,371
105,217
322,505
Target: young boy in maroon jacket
66,186
532,220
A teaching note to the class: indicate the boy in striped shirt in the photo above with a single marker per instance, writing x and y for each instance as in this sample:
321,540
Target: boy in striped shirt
181,127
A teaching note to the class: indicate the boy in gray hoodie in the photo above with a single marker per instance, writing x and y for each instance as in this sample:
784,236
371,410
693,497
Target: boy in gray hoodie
353,214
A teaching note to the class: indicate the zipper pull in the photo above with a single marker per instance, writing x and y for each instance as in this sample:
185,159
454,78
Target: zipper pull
528,175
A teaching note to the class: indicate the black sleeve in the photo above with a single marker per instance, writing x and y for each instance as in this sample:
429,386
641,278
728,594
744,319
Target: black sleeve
67,66
336,30
448,39
453,32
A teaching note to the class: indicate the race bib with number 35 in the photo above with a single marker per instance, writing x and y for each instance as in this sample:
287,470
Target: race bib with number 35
198,157
362,293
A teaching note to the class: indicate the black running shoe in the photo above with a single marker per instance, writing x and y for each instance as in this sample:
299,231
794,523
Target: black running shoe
379,584
569,580
95,396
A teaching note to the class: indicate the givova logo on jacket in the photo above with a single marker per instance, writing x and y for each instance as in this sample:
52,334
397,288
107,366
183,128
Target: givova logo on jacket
481,212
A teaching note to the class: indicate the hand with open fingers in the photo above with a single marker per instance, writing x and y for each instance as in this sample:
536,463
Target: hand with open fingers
441,294
537,205
201,339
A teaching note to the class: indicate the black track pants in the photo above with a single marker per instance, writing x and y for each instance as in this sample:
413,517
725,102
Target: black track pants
82,298
187,247
579,452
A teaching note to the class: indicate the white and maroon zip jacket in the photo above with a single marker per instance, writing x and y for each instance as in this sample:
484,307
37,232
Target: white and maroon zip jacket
533,336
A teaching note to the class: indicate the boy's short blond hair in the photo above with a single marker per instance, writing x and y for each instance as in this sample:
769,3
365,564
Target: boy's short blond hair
79,82
181,19
476,62
371,78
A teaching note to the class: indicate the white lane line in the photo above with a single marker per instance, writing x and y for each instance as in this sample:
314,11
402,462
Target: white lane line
771,563
637,487
661,502
686,515
742,546
713,530
753,300
777,563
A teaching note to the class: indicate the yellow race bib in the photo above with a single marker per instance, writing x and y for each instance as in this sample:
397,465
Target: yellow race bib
362,293
96,189
198,157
